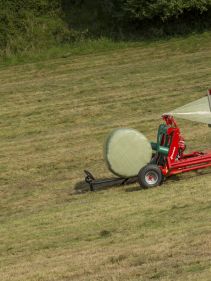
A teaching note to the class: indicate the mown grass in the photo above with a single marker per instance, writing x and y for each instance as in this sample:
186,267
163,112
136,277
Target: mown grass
80,47
93,46
55,115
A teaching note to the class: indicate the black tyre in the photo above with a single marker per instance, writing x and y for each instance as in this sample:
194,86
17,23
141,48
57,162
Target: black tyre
150,176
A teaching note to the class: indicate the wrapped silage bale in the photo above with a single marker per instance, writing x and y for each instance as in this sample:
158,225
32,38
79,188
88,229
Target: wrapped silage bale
126,152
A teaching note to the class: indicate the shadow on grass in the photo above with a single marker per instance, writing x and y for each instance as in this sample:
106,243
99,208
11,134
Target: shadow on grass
102,184
188,175
133,188
83,187
172,179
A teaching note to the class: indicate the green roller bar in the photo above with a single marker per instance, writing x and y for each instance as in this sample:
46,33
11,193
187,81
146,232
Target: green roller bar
161,149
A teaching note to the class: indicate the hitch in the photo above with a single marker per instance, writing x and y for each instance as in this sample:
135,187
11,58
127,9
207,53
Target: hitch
93,183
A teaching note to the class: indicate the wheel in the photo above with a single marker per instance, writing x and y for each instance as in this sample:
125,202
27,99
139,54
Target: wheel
150,176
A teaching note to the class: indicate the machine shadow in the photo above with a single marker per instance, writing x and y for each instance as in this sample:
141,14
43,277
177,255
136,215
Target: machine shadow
83,187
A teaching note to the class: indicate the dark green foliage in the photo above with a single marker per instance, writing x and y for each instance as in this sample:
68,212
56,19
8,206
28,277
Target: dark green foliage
27,25
163,9
32,24
167,17
143,17
141,9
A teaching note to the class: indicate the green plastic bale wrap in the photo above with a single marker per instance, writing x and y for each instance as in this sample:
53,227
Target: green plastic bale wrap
198,111
126,152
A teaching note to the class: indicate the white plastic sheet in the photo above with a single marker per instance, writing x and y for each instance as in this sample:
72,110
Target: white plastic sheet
126,152
198,111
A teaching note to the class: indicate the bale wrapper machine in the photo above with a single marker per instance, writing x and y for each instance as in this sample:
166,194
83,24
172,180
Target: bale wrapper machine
169,157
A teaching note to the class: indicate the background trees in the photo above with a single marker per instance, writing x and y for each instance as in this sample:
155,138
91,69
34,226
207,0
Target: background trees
34,24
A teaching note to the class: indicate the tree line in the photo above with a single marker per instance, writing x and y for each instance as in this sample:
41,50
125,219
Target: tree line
36,24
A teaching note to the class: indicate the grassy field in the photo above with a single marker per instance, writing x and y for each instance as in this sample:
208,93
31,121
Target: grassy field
55,115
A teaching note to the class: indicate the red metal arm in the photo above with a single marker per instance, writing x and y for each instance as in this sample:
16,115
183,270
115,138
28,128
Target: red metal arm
177,162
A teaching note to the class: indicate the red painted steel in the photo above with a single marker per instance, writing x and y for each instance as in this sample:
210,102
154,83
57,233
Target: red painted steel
177,162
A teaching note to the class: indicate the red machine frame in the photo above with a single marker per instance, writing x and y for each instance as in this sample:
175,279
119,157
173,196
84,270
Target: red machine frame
177,161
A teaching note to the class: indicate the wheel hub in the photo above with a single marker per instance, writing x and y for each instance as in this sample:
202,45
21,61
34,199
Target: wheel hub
151,177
